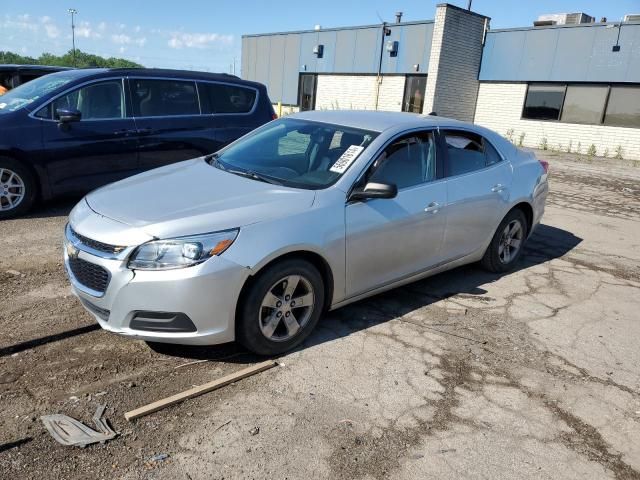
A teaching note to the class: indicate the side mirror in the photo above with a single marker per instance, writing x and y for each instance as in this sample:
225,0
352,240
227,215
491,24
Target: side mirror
67,115
374,190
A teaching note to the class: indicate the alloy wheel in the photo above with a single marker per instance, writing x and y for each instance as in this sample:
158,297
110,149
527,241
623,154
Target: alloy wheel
510,241
12,189
286,308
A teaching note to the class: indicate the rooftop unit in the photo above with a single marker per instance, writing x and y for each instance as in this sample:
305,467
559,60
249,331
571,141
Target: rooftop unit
632,17
563,19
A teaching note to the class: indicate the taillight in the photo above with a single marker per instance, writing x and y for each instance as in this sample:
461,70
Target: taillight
274,116
545,165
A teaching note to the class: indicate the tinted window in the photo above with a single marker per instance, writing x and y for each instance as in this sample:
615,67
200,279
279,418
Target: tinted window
97,101
491,154
407,162
543,102
222,98
465,153
584,103
156,98
32,91
624,107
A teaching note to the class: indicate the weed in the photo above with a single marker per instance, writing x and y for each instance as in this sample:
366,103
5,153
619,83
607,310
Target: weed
592,150
619,152
521,139
606,152
569,146
510,135
544,145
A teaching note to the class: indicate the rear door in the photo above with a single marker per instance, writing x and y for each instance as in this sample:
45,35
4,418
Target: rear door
478,181
100,148
170,127
231,108
390,239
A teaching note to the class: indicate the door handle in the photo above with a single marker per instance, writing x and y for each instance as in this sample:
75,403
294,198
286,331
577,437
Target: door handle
433,207
124,132
498,187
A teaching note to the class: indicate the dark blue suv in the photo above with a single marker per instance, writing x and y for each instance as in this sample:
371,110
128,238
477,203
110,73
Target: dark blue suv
73,131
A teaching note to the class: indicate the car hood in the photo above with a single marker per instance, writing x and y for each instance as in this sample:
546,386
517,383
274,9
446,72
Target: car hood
194,197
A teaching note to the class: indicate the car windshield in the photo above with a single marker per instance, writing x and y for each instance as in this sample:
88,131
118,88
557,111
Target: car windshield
31,91
296,153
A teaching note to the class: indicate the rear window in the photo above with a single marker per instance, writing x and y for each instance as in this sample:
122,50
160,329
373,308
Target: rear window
161,98
225,98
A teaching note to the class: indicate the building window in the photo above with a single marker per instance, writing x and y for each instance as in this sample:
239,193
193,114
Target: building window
584,103
623,109
307,91
414,88
543,102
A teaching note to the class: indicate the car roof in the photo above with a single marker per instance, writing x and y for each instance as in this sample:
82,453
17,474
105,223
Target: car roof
160,72
378,121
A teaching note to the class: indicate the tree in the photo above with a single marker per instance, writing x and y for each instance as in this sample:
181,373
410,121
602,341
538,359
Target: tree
83,60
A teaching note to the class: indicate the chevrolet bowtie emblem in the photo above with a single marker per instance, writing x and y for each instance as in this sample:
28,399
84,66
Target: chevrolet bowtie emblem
72,251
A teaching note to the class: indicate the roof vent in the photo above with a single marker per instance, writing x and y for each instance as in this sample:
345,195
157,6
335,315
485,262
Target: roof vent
563,19
632,17
398,17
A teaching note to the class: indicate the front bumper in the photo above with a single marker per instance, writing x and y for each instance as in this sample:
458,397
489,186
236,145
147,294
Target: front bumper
206,293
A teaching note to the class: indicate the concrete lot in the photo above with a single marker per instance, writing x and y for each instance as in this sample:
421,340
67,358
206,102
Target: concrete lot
535,374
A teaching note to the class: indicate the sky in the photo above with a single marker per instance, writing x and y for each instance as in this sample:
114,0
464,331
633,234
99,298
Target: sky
207,34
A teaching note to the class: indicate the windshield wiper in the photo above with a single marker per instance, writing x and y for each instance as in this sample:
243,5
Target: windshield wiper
253,175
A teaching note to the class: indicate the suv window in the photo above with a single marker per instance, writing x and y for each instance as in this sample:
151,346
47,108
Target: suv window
97,101
406,162
161,98
223,98
467,152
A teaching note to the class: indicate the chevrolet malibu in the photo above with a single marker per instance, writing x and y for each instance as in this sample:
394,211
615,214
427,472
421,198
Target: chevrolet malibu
303,215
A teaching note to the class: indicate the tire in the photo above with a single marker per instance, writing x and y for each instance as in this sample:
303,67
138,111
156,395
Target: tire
16,179
501,256
267,316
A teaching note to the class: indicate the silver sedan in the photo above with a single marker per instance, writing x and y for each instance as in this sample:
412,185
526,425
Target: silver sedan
303,215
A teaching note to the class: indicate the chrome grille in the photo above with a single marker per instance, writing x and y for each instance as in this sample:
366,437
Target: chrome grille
89,274
96,245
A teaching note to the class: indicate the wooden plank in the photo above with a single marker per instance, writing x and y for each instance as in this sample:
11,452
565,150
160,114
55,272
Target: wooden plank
199,390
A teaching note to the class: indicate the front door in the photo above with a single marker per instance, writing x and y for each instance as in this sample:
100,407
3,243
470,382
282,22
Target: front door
478,182
101,147
390,239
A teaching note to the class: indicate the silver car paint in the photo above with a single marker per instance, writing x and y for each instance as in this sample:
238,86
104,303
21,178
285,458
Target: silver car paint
367,246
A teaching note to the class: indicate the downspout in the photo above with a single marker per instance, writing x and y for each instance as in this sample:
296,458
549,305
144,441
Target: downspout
379,76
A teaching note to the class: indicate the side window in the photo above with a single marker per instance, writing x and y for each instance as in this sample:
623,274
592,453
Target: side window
491,153
223,98
97,101
406,162
464,153
160,98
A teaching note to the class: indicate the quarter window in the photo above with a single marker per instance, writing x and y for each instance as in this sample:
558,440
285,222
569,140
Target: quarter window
98,101
623,109
157,98
543,102
584,103
467,152
223,98
407,162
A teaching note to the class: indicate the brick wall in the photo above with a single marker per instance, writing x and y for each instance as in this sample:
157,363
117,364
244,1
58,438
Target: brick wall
454,62
500,105
357,92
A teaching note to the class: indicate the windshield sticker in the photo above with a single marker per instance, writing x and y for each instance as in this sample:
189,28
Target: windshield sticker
346,159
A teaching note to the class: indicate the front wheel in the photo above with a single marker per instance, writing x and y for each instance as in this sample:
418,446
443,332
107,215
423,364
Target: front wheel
281,307
507,243
18,189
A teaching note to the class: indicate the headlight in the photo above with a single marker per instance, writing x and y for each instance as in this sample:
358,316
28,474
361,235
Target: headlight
180,252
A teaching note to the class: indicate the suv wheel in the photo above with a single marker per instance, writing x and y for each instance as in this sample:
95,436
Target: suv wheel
281,307
17,188
507,243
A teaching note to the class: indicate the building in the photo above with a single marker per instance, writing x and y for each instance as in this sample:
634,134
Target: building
558,85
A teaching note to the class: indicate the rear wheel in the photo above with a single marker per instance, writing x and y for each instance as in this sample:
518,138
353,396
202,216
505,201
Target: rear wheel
18,189
281,307
507,243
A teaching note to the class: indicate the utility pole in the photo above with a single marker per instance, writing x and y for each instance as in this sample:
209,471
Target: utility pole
73,12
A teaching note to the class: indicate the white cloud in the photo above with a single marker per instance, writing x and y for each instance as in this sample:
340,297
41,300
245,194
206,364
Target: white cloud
84,30
141,42
25,17
102,26
199,40
121,39
122,49
52,30
45,19
20,22
137,29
